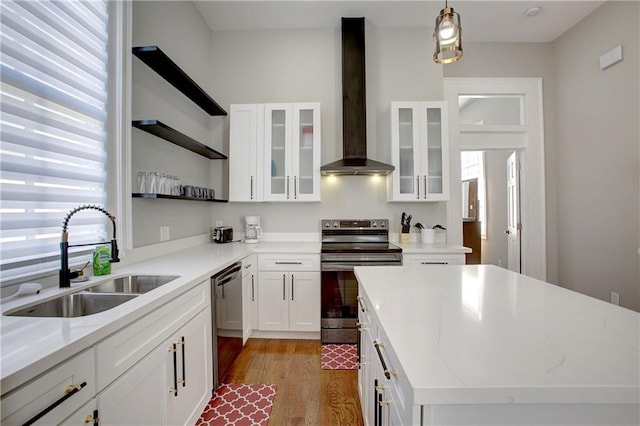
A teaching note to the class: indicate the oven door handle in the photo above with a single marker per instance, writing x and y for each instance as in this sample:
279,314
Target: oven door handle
329,267
336,267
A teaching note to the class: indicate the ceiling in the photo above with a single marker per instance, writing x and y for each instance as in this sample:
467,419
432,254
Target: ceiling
482,21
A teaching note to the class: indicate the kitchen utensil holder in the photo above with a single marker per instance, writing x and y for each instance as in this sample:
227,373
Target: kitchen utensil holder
427,236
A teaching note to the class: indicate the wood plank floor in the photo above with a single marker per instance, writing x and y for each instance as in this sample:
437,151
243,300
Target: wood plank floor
305,394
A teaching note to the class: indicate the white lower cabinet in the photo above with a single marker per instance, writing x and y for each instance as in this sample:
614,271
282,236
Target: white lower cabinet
53,396
289,292
382,392
289,301
249,296
169,386
140,396
155,371
88,414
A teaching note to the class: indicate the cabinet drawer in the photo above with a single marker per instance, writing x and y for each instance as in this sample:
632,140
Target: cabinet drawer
249,264
433,259
126,347
289,262
25,402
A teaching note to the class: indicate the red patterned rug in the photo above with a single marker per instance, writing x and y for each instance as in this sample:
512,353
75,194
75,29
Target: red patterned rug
239,404
339,357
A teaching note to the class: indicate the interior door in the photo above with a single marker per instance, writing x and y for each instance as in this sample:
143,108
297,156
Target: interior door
513,213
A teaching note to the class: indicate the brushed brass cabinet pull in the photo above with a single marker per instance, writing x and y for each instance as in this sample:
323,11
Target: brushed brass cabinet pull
69,391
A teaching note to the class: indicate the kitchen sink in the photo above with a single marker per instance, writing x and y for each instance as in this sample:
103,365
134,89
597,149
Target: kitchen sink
74,305
132,284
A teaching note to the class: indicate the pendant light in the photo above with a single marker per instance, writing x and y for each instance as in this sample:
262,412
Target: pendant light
447,36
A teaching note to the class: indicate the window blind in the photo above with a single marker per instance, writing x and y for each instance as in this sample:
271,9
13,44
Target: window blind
53,129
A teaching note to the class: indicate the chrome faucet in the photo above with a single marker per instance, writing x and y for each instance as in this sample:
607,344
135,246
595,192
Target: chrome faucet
65,274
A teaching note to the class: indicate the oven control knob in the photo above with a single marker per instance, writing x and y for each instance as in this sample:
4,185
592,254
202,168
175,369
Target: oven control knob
327,225
382,224
335,224
374,224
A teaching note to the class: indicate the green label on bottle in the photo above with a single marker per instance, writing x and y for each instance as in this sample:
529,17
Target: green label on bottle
101,264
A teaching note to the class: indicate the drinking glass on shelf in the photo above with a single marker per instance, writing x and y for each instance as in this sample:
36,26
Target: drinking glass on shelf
152,182
175,187
164,184
142,182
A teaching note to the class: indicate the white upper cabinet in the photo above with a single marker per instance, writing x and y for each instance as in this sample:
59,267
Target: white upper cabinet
274,152
292,152
420,152
246,161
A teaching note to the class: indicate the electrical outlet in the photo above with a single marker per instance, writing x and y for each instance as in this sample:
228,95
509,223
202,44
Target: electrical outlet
218,223
615,298
164,233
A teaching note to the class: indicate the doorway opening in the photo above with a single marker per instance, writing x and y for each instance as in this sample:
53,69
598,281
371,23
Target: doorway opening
487,209
489,114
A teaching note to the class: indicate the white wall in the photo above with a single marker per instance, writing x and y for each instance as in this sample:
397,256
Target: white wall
304,65
597,156
591,146
270,66
181,33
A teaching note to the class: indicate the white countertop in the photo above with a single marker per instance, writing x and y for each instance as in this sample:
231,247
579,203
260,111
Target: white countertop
30,346
480,334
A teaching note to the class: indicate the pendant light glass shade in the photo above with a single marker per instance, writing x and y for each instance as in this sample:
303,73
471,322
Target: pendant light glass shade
447,36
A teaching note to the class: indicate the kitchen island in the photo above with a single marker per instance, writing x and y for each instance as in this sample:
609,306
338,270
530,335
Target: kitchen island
478,344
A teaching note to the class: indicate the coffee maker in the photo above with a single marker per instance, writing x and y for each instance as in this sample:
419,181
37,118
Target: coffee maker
253,231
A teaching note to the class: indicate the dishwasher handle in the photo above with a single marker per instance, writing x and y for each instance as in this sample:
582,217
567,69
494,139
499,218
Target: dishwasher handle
229,274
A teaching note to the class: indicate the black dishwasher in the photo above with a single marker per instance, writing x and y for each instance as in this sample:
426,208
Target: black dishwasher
226,321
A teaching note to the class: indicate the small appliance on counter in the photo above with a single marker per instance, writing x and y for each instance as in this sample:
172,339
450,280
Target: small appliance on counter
223,234
253,231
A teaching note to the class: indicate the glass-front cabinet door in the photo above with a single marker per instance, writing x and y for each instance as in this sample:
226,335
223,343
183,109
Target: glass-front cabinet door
306,152
277,138
435,132
405,129
419,152
292,152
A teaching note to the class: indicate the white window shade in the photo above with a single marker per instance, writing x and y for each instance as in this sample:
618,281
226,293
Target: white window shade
53,134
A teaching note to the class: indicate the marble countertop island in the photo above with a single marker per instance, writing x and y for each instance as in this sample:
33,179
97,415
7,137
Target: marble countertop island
480,334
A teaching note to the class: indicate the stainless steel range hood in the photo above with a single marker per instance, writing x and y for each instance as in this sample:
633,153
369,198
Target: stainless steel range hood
354,124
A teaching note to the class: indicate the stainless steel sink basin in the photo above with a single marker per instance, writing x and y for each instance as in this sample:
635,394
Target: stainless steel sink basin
132,284
74,305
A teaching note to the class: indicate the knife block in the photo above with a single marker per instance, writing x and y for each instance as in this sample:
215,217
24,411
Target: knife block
404,237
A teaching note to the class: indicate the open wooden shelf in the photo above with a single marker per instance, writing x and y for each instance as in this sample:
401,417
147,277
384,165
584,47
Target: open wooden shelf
161,130
158,61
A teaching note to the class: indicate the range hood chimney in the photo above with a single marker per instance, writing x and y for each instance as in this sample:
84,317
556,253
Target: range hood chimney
354,123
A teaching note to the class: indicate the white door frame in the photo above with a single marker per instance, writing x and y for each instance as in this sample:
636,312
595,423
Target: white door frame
528,139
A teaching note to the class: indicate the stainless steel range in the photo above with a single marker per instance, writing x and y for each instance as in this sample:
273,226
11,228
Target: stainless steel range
347,243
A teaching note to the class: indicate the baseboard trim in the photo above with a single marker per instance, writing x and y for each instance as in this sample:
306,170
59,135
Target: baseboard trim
263,334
